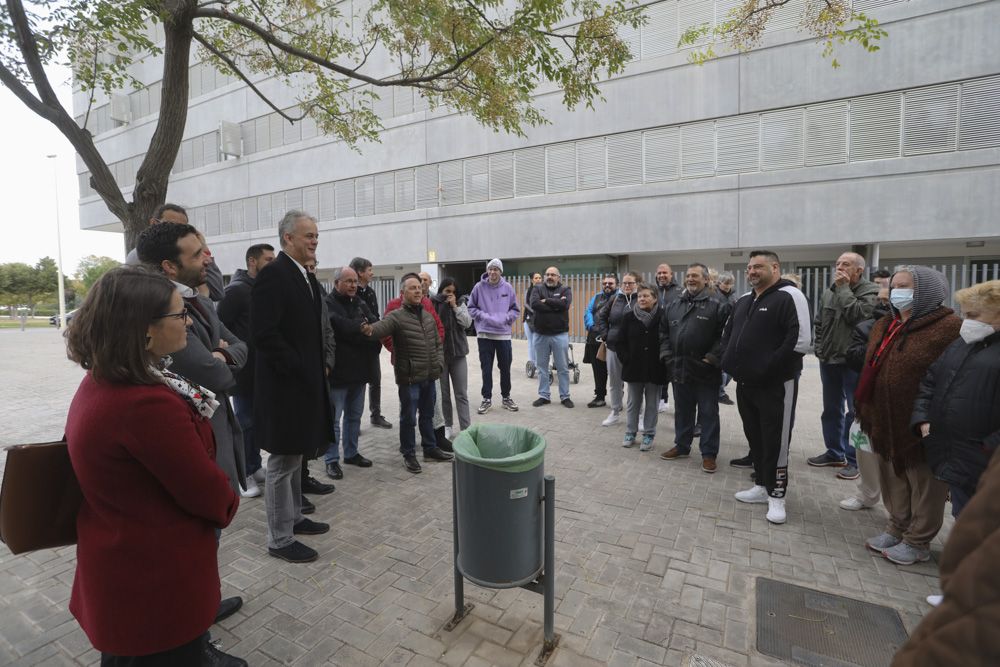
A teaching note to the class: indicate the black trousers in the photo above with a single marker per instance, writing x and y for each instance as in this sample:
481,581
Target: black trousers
768,414
189,655
600,378
375,386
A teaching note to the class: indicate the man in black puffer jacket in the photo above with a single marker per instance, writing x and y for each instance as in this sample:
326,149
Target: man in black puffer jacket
691,347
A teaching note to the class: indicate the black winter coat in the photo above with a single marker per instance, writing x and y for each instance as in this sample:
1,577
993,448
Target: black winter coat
291,397
234,311
608,322
354,349
690,332
855,357
960,396
552,316
639,349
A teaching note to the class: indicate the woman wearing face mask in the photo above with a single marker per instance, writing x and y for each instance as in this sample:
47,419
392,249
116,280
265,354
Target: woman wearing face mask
901,348
956,412
609,328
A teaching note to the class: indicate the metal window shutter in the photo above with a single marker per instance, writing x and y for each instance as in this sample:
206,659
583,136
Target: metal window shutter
591,163
659,34
980,121
477,179
930,120
738,144
698,150
197,152
293,200
309,128
239,217
502,176
427,186
402,100
194,81
781,139
326,208
291,132
225,217
208,79
529,172
789,16
249,139
264,219
382,105
404,185
262,133
364,196
865,5
560,167
633,39
693,14
310,201
385,195
211,227
452,185
662,150
186,155
875,126
154,97
420,102
624,159
826,134
251,214
274,127
278,207
199,218
344,199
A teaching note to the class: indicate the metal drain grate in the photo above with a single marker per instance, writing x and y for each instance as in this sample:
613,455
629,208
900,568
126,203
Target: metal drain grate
816,629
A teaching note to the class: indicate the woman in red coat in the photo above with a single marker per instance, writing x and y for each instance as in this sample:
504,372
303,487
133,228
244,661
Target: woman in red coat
146,588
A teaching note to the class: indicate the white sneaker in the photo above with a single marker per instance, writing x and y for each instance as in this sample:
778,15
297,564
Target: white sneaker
613,418
757,494
853,503
252,490
776,510
662,406
934,600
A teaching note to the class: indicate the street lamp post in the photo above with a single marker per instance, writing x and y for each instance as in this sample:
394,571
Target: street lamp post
59,262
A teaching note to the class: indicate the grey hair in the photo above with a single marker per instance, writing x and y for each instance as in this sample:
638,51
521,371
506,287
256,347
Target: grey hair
727,277
859,260
704,269
339,273
287,224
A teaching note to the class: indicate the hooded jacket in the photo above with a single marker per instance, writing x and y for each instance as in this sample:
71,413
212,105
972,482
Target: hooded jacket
841,308
767,335
493,307
608,321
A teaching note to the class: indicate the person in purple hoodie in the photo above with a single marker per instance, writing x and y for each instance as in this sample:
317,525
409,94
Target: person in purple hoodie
494,309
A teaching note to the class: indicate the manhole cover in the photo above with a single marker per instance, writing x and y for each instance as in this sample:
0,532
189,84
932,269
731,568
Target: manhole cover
817,629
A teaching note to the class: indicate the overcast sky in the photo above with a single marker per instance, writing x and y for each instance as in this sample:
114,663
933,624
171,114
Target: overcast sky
28,185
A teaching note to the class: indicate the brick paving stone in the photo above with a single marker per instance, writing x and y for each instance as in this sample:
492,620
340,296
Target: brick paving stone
655,560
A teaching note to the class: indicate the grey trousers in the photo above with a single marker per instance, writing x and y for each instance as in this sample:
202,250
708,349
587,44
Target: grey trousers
616,385
642,394
438,408
456,376
283,498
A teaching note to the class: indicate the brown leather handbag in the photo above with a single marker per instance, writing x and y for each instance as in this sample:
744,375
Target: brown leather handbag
40,498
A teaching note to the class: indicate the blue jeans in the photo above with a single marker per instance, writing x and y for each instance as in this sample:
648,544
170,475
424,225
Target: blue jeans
839,383
348,403
416,406
504,355
529,333
556,345
243,407
689,397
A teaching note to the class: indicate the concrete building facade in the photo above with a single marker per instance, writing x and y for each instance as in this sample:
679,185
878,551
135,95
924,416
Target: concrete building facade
897,152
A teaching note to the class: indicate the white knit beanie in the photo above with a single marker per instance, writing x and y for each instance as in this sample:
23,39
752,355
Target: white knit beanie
495,262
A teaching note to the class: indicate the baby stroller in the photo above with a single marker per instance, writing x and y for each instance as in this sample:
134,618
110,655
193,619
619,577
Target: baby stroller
574,368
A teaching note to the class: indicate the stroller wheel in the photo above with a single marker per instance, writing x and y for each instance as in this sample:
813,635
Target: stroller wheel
576,376
529,369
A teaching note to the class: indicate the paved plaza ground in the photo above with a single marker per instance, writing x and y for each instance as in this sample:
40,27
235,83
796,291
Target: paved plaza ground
656,561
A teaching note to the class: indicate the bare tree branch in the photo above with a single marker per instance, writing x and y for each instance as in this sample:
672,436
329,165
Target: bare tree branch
235,68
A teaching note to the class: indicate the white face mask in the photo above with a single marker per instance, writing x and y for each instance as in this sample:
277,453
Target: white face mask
973,331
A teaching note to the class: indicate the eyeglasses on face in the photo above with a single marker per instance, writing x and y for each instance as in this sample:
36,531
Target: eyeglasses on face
628,282
180,315
608,284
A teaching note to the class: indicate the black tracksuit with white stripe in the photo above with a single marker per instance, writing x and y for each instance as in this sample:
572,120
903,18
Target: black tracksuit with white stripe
764,342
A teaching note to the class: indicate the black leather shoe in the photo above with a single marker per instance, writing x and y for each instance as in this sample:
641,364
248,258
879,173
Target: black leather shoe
443,443
725,400
213,657
334,471
381,422
296,552
310,527
596,403
228,607
307,506
539,402
312,485
567,403
744,462
436,454
411,464
358,460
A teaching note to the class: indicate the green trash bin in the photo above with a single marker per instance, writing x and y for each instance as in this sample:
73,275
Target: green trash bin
499,473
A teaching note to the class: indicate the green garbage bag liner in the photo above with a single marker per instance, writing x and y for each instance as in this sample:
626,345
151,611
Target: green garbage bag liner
501,447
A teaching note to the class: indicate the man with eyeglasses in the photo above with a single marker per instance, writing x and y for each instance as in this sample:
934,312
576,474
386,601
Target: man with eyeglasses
551,302
609,285
213,355
172,213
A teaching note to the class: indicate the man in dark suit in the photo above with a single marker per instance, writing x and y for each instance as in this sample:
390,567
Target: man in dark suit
291,400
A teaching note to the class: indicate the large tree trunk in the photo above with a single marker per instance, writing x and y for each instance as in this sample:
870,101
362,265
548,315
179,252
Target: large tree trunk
154,174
